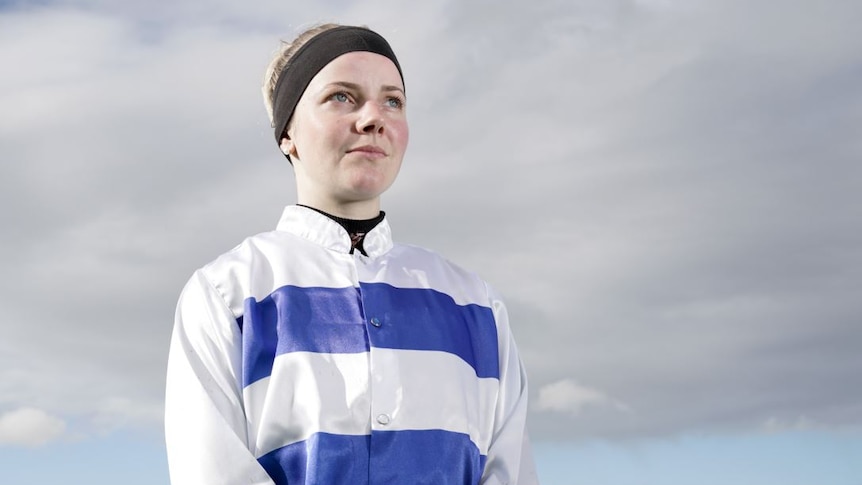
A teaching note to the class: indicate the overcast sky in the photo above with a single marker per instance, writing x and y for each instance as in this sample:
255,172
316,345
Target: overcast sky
668,193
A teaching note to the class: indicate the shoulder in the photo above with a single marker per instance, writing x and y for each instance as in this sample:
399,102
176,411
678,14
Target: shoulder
424,256
439,272
244,254
234,274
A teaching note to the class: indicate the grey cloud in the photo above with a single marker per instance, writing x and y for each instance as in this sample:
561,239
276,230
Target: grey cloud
666,194
710,209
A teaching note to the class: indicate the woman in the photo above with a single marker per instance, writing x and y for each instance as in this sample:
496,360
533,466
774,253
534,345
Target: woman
322,352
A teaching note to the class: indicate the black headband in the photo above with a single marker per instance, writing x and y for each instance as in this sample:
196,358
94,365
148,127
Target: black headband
313,56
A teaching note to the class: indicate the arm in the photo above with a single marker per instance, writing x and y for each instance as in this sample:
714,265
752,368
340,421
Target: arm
510,460
205,426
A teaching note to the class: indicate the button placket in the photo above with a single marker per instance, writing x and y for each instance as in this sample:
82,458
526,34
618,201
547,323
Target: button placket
385,395
383,364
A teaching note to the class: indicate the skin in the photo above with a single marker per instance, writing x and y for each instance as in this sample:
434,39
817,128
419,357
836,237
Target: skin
348,135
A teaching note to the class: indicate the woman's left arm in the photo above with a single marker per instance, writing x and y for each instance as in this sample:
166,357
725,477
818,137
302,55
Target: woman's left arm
510,459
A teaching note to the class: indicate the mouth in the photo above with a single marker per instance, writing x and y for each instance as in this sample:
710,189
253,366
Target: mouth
368,150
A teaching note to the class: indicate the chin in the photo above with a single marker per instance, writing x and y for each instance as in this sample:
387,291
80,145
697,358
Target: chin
362,195
369,187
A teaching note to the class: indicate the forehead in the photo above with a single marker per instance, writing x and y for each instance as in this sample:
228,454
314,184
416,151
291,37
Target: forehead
364,68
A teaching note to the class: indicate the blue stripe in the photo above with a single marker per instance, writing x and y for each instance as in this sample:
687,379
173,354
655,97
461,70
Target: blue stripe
424,319
429,457
322,459
420,457
332,320
294,319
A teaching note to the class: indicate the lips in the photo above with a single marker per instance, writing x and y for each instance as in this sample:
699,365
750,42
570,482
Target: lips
368,150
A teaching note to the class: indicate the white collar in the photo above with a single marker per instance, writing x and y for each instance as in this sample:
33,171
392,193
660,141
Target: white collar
323,231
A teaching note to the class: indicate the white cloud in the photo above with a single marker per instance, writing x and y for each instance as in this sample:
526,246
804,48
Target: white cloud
774,424
120,412
570,397
30,427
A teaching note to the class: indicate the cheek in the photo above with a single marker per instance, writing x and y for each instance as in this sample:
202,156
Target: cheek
400,134
317,136
334,131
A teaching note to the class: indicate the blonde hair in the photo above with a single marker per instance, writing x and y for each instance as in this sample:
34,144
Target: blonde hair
281,58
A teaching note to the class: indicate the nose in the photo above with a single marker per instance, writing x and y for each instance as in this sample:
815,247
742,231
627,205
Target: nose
371,119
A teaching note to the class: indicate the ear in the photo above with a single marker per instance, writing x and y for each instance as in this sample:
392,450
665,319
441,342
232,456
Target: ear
287,146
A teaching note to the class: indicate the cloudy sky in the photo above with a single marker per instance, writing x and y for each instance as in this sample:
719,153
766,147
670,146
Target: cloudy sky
668,192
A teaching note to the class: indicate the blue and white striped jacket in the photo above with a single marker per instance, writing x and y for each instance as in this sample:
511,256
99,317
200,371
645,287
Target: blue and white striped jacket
295,362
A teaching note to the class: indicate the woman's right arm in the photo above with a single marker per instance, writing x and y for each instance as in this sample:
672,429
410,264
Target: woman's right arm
205,425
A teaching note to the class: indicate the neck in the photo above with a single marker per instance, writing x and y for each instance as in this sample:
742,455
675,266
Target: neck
359,210
352,225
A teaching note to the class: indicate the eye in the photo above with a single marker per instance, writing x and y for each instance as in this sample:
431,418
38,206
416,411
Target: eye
394,102
340,96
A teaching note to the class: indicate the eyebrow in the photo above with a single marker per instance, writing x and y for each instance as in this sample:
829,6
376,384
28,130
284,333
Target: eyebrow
356,87
392,88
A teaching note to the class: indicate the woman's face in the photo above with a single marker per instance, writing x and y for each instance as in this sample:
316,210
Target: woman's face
348,135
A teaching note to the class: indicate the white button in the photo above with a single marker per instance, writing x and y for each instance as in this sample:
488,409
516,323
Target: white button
383,419
375,321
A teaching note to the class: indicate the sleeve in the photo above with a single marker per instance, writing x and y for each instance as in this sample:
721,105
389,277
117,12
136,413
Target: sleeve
510,459
205,426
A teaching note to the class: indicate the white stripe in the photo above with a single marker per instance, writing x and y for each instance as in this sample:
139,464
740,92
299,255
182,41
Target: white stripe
438,391
307,266
306,393
409,267
265,257
310,392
